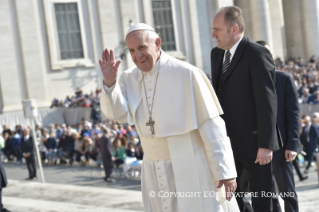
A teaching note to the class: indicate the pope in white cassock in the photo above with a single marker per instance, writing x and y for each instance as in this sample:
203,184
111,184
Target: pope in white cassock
188,162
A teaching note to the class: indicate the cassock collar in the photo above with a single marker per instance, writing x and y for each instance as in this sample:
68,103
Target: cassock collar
161,62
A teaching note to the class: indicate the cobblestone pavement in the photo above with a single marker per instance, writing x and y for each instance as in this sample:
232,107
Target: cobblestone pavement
80,189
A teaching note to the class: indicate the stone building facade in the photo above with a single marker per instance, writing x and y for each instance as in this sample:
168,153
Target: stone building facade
48,48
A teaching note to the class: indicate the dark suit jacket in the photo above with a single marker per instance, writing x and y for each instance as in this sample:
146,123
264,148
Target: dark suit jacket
27,145
248,97
3,175
287,115
313,137
106,150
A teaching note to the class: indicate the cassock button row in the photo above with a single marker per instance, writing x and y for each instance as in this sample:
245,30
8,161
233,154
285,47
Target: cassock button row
149,97
150,81
150,89
159,176
164,200
161,185
165,208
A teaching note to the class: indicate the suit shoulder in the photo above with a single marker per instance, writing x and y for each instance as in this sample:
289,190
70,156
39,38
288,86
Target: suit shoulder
215,50
255,47
281,75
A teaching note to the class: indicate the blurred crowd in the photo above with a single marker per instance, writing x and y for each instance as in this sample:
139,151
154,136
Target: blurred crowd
78,145
309,138
306,76
79,99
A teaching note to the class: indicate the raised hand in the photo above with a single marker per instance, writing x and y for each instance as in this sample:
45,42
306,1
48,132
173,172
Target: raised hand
109,67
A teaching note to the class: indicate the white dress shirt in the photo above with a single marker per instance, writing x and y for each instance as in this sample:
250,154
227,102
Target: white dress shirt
232,50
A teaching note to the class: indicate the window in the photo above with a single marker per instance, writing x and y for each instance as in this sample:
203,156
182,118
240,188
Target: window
163,22
69,32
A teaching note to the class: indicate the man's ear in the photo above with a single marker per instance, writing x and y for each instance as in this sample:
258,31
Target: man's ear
235,29
158,42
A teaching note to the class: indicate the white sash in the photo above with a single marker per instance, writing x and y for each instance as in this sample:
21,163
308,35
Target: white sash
189,171
185,171
179,150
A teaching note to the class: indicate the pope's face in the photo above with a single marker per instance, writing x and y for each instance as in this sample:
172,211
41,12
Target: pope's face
222,33
144,52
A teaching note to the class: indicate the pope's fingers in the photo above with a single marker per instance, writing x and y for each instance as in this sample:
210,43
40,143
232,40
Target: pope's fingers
111,55
103,55
106,54
117,64
100,62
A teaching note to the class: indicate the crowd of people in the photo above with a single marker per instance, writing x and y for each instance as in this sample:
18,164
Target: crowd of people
79,99
309,138
80,145
306,76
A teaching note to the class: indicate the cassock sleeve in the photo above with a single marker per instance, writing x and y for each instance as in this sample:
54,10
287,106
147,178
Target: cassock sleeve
114,102
218,149
213,129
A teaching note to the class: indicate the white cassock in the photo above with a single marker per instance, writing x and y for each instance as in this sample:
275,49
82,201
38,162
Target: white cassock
190,151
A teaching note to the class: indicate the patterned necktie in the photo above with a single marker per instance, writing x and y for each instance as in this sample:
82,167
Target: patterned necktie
227,61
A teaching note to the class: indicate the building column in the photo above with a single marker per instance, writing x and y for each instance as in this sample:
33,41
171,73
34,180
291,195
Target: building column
294,32
110,25
213,8
32,57
129,11
261,25
222,3
201,31
245,7
10,90
278,26
310,12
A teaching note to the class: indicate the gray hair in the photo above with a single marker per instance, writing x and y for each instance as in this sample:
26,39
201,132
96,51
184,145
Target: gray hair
234,15
151,35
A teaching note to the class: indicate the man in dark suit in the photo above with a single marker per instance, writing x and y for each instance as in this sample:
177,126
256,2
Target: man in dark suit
288,123
28,153
3,183
243,76
107,155
309,138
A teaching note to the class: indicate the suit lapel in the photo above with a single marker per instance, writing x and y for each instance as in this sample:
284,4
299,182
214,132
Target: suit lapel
218,64
236,58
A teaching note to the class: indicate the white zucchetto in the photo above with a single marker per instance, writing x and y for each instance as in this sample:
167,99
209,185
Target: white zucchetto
139,26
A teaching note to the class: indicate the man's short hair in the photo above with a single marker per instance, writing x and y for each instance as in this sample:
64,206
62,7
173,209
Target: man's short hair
234,15
263,43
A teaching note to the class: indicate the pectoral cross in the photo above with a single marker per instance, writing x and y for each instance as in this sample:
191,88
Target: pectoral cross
151,123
